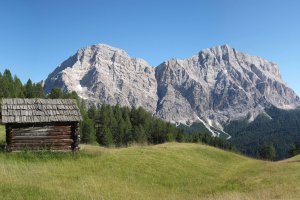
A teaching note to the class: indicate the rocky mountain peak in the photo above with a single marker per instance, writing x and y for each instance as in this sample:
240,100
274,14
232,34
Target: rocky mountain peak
102,50
217,85
104,74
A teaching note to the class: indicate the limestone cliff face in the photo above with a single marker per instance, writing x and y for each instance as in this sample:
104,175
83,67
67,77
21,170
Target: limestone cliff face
103,74
217,85
220,84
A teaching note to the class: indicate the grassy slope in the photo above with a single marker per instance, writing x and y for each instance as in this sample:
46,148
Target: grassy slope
2,133
168,171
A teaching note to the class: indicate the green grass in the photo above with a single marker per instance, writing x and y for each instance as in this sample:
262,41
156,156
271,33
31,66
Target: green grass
167,171
2,133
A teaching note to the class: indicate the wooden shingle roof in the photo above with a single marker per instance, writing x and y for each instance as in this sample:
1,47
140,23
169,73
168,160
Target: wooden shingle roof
39,110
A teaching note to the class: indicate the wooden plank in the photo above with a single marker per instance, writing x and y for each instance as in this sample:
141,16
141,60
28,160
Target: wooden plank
67,148
42,134
44,128
42,138
41,144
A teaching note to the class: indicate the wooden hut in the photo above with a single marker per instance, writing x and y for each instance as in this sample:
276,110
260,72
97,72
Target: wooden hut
41,124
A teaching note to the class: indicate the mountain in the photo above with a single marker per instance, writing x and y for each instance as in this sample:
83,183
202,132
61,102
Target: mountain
220,84
216,86
103,74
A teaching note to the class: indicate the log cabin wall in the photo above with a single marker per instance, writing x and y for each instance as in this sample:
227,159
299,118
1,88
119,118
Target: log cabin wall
44,136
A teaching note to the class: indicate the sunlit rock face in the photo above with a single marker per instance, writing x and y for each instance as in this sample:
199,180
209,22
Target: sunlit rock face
217,85
103,74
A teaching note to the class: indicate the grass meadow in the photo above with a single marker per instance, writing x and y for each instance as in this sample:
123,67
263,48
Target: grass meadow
166,171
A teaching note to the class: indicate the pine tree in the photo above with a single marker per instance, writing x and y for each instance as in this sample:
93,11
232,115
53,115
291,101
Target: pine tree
267,151
127,137
19,89
7,75
4,88
88,132
92,112
141,136
38,91
104,137
119,132
29,93
56,93
7,85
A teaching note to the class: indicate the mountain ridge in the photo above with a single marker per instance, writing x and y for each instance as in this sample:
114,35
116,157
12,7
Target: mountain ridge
217,85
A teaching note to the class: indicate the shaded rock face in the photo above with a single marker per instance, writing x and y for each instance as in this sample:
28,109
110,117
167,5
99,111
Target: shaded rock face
217,85
103,74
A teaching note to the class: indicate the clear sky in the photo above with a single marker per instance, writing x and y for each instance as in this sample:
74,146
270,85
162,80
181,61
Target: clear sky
37,35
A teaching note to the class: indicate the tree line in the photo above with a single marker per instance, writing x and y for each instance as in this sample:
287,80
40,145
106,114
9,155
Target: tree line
12,87
122,126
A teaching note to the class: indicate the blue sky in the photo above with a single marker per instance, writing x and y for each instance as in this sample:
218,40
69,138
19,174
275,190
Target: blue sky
37,35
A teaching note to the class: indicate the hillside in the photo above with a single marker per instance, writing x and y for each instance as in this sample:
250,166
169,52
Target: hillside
277,126
167,171
2,133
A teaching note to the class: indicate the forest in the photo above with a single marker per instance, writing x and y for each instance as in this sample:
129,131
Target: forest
279,129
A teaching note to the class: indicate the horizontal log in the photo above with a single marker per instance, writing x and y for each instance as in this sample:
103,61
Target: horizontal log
41,137
41,144
43,128
41,141
41,133
57,143
59,133
66,148
62,127
26,130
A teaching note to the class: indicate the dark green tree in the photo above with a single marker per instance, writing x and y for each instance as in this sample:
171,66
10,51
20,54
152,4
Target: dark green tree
19,88
119,132
267,152
56,93
140,133
88,132
295,150
104,137
29,92
92,112
38,91
7,89
127,129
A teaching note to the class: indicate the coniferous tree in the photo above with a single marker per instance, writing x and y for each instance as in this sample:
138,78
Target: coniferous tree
141,136
19,89
105,137
92,112
88,132
29,93
267,152
38,91
7,86
295,150
7,75
127,132
56,93
119,132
